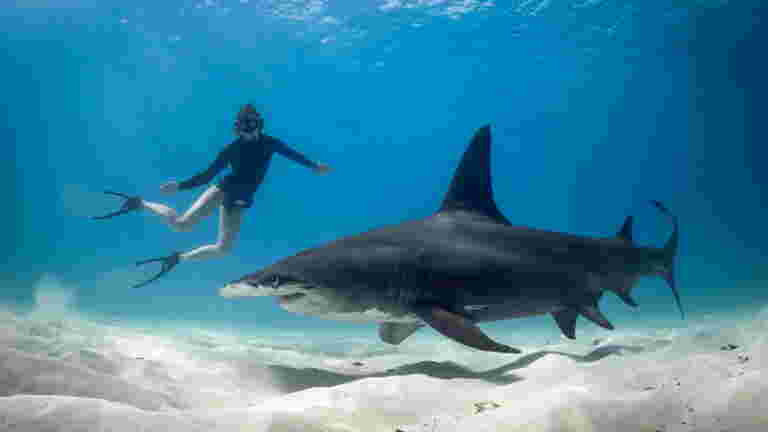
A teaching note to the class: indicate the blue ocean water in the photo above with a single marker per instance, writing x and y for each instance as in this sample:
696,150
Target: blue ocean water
596,107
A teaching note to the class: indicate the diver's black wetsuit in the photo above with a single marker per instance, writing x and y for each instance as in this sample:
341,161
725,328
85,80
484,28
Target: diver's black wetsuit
249,161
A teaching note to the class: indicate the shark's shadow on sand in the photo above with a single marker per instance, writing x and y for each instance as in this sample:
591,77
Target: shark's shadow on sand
288,379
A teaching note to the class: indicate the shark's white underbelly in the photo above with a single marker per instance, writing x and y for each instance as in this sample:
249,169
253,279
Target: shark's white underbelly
323,307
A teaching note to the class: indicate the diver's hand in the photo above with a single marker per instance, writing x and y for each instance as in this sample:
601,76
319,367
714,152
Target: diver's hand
170,187
322,168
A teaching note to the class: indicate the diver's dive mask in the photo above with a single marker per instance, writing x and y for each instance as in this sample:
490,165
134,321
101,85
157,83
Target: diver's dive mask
249,124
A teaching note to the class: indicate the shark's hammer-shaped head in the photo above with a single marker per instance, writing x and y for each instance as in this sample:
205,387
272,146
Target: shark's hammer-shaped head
267,282
312,272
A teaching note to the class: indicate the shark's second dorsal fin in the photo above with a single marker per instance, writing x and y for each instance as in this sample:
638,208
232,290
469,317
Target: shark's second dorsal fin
471,188
625,233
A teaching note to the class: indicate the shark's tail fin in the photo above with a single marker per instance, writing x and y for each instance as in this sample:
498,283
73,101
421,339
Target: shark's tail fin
669,254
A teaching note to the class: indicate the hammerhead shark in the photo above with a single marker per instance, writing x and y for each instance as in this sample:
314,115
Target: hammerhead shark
463,265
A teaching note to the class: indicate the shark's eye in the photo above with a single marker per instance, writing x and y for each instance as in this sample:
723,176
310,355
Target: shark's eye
273,281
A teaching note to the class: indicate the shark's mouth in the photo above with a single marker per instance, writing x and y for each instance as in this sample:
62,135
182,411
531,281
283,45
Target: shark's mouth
291,298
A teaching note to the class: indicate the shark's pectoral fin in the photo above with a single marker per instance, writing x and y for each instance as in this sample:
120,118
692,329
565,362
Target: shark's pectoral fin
459,328
593,314
394,333
566,320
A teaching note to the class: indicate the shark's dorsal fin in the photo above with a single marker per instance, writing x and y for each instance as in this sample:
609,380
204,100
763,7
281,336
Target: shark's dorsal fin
471,188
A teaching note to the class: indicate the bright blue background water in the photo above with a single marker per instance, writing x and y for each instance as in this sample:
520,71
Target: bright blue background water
596,107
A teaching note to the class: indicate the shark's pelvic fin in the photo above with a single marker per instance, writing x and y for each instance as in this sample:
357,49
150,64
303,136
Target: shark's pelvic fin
394,333
471,188
566,320
459,328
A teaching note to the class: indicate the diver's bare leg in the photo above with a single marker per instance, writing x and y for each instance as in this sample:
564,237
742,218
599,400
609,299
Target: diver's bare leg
203,207
229,227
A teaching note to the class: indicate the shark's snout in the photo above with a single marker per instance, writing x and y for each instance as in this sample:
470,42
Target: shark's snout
259,285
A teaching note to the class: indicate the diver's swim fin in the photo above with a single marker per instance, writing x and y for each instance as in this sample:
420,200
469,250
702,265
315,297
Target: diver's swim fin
169,263
131,203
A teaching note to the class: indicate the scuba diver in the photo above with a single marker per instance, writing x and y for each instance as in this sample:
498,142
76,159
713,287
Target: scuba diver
249,157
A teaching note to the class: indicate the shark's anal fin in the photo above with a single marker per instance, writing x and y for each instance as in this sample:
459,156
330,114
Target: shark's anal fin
592,313
566,320
621,284
459,328
394,333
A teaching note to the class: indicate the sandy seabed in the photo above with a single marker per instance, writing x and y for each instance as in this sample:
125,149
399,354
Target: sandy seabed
65,372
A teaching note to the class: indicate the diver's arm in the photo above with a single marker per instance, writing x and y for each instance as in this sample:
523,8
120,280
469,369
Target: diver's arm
206,176
287,151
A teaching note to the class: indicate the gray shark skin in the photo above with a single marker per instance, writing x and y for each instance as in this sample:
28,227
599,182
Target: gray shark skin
463,265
